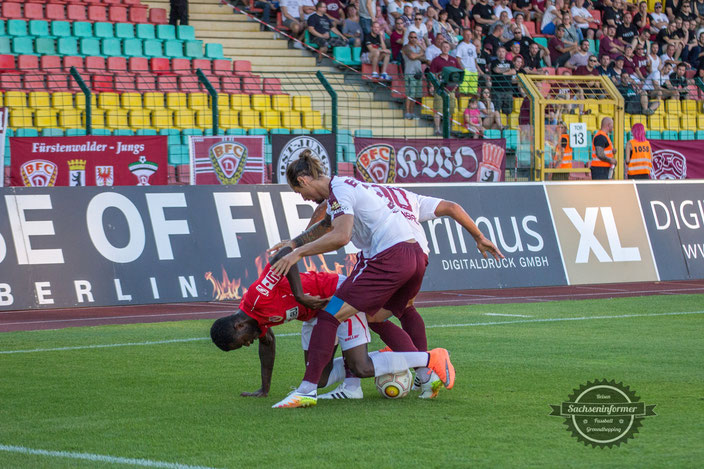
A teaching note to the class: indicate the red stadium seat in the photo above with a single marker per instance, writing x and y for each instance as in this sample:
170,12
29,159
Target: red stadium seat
138,65
125,82
7,63
231,84
56,82
242,68
138,14
145,82
131,2
181,66
113,2
271,86
158,16
102,82
221,67
35,81
530,27
189,84
167,83
251,85
73,61
12,10
95,64
159,65
76,12
55,12
117,14
596,14
117,65
10,81
204,64
34,11
28,63
50,63
97,13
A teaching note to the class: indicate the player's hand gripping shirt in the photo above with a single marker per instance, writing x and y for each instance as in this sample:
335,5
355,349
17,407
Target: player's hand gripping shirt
270,300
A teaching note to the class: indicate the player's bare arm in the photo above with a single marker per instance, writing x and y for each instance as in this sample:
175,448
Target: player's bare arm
294,280
318,215
338,237
456,212
267,353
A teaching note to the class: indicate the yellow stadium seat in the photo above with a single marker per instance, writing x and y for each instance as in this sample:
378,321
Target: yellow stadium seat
590,120
62,100
139,118
204,118
291,119
109,101
153,100
15,99
39,99
21,117
700,122
249,119
184,118
607,109
672,121
427,102
70,118
688,122
97,117
198,101
638,119
672,106
45,117
593,107
131,101
281,102
660,111
162,118
81,101
513,120
261,102
223,100
312,120
690,106
239,102
570,118
655,122
270,119
176,101
2,99
228,118
117,119
302,103
517,103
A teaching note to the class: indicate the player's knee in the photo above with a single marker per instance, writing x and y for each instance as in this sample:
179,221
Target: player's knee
362,368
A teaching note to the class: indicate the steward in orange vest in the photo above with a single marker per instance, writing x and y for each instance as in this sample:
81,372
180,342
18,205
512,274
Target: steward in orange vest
639,154
600,169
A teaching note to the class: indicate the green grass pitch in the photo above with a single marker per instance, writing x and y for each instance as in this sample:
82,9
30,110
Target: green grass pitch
178,403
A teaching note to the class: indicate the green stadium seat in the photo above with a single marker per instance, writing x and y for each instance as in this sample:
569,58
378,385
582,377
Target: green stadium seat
52,132
153,48
26,132
342,55
192,131
511,137
321,131
101,131
541,41
61,29
146,132
82,29
123,132
169,132
301,132
173,140
210,132
279,131
363,133
492,133
670,135
111,47
699,135
124,30
653,134
193,49
173,49
22,45
356,54
258,132
145,31
5,46
235,132
186,33
90,46
38,28
2,28
75,132
103,30
45,46
165,32
17,28
214,51
686,135
132,48
67,46
178,154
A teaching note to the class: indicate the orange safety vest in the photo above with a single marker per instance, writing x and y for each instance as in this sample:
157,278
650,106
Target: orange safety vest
641,158
608,151
566,162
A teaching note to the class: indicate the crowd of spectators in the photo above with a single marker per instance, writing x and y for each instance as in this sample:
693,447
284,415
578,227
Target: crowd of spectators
649,55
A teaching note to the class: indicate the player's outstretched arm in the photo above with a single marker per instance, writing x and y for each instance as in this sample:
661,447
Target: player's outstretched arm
267,353
453,210
294,280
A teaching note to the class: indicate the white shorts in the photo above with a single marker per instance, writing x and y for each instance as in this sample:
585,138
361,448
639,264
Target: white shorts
351,333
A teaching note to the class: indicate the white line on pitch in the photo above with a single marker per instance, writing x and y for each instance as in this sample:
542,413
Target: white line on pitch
102,318
98,458
510,315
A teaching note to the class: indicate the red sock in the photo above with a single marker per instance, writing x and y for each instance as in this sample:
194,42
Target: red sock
414,325
321,347
393,336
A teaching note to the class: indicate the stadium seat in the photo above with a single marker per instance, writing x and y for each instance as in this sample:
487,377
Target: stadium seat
11,81
102,82
228,118
76,12
55,11
138,14
95,64
301,103
221,67
123,132
157,16
108,101
74,61
70,118
189,84
146,132
145,31
45,118
159,65
670,135
61,29
116,119
71,132
28,63
132,47
271,85
104,30
52,132
214,51
184,119
45,46
153,48
62,101
167,83
166,32
117,14
281,102
97,13
38,28
251,85
204,119
124,31
38,99
22,45
261,102
291,119
193,49
236,131
198,101
111,47
185,33
239,102
153,100
5,45
312,120
67,46
17,28
176,101
242,68
173,48
162,118
145,82
270,119
231,84
249,119
686,135
204,65
27,132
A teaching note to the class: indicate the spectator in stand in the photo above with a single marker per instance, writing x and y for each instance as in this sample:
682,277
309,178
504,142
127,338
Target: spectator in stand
336,12
611,12
673,8
691,41
679,81
502,5
413,60
385,28
505,21
551,18
654,61
642,40
351,27
658,85
629,66
291,18
483,61
640,60
466,53
670,55
320,27
491,118
572,34
609,45
560,52
513,49
408,16
533,62
367,15
641,19
669,36
604,65
179,12
446,29
686,12
658,19
519,22
493,40
484,15
589,69
616,69
441,61
375,51
473,119
627,31
527,42
582,19
420,29
580,57
522,7
698,9
394,9
502,72
457,15
306,8
635,99
696,54
434,49
266,6
421,6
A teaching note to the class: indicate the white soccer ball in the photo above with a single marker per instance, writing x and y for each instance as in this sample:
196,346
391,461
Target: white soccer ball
394,385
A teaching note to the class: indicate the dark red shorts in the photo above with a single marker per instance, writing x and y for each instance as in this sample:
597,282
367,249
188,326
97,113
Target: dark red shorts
388,280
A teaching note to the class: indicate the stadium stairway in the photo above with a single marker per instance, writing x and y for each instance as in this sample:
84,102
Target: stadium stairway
242,40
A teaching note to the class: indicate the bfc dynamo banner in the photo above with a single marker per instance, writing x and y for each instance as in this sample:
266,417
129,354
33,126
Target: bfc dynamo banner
678,159
396,160
3,132
89,161
227,160
288,148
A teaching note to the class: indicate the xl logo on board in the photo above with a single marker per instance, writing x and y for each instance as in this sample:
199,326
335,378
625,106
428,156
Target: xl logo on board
228,160
377,164
39,173
588,241
293,149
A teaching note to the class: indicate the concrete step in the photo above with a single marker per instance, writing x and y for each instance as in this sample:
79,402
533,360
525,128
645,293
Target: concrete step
244,44
282,60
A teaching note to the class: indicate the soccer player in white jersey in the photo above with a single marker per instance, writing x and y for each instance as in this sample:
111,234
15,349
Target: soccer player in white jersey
388,273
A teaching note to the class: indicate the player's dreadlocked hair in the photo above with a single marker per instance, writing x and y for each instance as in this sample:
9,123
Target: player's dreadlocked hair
305,165
222,331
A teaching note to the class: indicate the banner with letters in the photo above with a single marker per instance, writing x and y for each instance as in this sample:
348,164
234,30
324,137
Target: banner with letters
397,160
3,133
287,148
678,159
89,161
227,160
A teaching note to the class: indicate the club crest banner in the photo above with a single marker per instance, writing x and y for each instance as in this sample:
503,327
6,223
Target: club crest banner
227,160
89,161
677,159
3,132
395,160
287,148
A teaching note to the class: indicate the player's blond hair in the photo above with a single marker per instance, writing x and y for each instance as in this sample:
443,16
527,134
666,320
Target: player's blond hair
305,165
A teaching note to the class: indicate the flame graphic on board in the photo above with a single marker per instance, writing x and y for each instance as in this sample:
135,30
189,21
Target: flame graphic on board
318,264
226,289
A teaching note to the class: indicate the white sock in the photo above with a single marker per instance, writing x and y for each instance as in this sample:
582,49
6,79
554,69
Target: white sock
337,373
307,387
353,383
423,374
393,362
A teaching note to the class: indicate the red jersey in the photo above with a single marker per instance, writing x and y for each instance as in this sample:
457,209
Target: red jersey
270,301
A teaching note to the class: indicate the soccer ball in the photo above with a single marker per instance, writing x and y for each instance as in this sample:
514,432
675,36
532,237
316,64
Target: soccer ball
394,385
